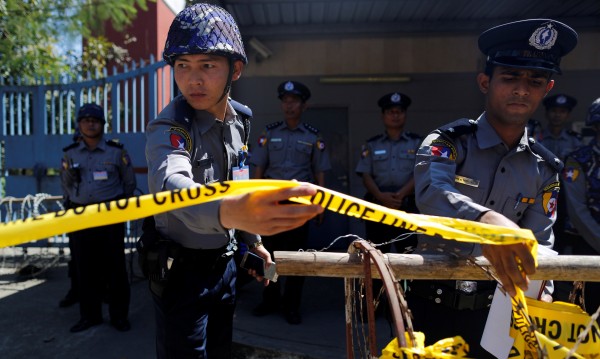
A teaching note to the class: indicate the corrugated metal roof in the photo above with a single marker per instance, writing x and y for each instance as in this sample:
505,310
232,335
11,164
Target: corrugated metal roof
309,18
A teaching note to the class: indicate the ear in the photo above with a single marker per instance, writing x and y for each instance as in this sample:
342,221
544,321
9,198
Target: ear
483,81
238,66
549,86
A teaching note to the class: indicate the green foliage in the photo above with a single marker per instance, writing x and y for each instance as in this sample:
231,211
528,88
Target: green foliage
31,32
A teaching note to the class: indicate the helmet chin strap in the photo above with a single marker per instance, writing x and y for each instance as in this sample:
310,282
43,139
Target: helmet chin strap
229,80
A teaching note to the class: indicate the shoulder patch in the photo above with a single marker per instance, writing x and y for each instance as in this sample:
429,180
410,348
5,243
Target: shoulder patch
443,148
180,138
375,138
310,128
458,128
273,125
546,154
114,143
550,199
71,146
571,171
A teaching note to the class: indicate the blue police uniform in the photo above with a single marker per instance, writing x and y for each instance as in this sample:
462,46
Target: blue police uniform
390,162
581,182
464,169
289,152
186,148
567,140
91,176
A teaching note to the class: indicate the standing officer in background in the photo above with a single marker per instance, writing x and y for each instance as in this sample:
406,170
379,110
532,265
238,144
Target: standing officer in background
581,181
94,171
489,170
199,139
289,150
386,167
558,136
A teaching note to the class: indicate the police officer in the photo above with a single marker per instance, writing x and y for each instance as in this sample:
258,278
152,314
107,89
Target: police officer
558,136
289,150
95,170
489,170
582,187
386,167
199,138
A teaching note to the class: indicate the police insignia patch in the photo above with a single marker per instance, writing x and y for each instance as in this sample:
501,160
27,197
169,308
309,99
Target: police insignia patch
550,198
365,152
321,145
544,37
180,139
262,141
571,172
442,148
125,158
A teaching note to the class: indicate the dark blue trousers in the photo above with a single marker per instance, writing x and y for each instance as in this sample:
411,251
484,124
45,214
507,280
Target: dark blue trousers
194,315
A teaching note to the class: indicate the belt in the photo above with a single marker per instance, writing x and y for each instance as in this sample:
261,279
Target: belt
206,257
464,295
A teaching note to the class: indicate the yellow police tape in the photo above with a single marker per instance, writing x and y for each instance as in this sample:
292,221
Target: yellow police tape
51,224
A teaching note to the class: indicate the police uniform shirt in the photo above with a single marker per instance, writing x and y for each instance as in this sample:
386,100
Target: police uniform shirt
389,162
465,176
106,173
286,153
180,158
581,181
561,145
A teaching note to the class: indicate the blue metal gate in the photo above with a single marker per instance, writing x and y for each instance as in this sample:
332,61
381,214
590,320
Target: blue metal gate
37,119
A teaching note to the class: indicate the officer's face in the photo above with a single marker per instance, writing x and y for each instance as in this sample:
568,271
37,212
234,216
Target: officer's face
201,78
557,116
513,94
394,117
91,127
292,106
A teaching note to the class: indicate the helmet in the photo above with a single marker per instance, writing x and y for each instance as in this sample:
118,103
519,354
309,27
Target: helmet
91,110
593,116
204,29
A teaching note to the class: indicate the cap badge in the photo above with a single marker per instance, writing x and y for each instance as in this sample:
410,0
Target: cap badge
289,86
396,98
544,37
561,100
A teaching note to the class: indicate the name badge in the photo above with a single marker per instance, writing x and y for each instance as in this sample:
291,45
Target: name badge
242,173
466,181
277,139
100,175
379,152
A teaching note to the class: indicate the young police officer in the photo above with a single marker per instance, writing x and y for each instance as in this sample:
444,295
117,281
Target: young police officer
199,138
386,167
289,150
95,171
558,136
488,170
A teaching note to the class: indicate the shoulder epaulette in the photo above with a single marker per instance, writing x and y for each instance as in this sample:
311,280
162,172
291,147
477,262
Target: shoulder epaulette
310,128
458,128
413,135
241,109
114,143
273,125
71,146
546,154
375,138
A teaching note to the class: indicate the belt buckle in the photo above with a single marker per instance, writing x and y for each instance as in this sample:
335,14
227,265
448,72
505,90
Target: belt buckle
466,286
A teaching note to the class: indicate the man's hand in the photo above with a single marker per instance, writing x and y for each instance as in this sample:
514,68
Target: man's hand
389,200
264,254
512,262
261,213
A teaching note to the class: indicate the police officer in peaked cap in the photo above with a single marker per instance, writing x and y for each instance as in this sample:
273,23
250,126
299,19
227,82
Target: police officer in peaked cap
290,150
386,167
489,170
558,136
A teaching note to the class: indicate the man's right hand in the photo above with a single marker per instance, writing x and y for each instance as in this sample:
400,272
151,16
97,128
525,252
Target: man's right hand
512,262
260,212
